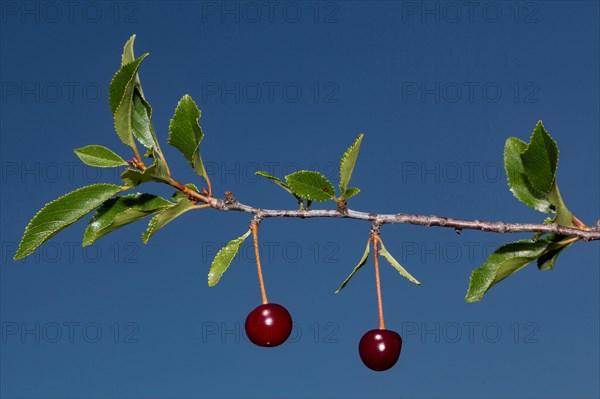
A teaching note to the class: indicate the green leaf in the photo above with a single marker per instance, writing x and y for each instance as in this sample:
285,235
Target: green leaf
350,192
563,215
165,216
120,211
347,164
141,111
132,114
128,55
395,263
503,262
223,259
361,263
62,212
540,159
99,156
141,121
120,82
311,185
518,183
185,133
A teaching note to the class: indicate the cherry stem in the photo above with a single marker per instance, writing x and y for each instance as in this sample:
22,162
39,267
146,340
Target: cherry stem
378,280
254,228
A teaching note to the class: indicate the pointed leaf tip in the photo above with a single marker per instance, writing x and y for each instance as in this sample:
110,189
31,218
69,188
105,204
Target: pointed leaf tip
348,162
503,262
62,212
99,156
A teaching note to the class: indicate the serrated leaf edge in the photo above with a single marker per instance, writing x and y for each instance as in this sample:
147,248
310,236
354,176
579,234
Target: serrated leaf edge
47,236
241,240
357,142
331,194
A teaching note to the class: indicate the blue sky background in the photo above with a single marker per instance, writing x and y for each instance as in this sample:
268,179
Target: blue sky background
437,88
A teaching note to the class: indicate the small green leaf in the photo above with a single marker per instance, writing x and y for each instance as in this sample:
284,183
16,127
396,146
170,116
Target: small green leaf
540,159
347,163
361,262
185,133
503,262
311,185
350,192
165,216
120,211
99,156
62,212
518,183
388,256
223,259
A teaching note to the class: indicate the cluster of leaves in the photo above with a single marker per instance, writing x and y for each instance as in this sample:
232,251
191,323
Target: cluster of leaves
133,123
531,172
307,186
530,168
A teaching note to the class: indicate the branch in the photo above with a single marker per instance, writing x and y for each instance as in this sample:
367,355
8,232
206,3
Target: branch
231,204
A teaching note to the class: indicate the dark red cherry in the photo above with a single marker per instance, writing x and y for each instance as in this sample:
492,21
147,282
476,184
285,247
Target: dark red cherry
380,349
269,325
